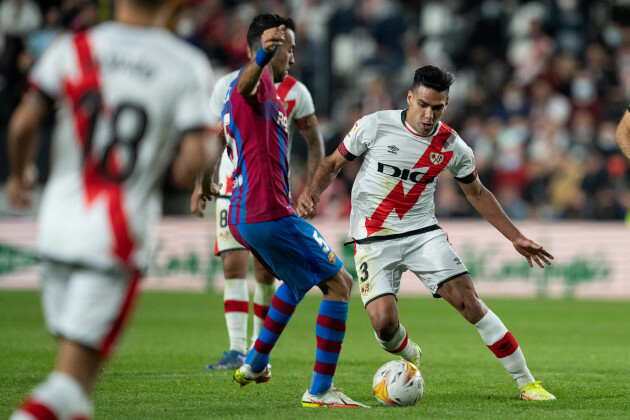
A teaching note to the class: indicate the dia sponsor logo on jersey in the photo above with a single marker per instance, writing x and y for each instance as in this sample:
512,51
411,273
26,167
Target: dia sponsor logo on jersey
404,174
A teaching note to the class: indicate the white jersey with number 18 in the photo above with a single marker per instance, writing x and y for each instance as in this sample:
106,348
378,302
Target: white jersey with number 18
393,191
125,95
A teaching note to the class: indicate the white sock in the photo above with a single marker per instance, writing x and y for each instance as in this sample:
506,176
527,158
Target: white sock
262,300
60,394
501,342
236,306
400,345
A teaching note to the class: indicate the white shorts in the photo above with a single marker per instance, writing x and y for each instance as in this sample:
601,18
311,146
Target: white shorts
225,241
428,255
86,306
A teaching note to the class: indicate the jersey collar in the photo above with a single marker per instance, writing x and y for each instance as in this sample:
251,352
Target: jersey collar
403,120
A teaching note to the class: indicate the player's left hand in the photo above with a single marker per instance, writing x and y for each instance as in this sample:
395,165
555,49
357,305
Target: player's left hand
307,204
532,252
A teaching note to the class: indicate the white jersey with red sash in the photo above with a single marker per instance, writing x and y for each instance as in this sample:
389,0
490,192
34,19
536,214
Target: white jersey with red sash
125,95
393,191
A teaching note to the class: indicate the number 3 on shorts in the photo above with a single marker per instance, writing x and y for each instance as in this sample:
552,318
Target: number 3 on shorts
364,271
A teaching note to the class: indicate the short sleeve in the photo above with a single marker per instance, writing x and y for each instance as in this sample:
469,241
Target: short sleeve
359,138
193,107
47,74
219,93
304,104
462,165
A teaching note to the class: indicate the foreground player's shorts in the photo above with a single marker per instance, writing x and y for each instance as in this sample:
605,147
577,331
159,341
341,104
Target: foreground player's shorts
428,255
225,241
292,250
86,306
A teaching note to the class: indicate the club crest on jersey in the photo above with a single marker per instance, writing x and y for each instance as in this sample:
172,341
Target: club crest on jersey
332,258
436,158
365,288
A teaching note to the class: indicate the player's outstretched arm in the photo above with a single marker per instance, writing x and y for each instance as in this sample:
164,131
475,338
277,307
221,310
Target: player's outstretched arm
250,75
487,205
22,143
326,173
623,133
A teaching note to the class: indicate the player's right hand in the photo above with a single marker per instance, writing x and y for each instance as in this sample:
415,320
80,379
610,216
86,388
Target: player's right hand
200,196
307,204
18,188
272,38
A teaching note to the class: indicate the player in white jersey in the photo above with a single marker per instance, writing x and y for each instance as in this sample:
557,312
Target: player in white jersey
129,98
234,257
393,225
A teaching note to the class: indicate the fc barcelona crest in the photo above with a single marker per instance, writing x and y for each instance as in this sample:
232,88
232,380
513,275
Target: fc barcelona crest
436,158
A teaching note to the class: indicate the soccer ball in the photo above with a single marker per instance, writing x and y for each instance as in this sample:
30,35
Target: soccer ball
398,383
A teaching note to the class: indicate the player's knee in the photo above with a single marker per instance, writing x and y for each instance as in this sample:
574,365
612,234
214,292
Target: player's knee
345,282
263,277
338,287
234,272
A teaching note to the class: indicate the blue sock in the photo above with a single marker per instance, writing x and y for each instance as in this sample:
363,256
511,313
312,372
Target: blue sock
282,307
330,331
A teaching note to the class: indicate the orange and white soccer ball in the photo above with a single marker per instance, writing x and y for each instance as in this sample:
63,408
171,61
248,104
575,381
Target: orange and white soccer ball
398,383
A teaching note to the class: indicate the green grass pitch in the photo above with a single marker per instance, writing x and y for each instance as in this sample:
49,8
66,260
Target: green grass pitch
579,349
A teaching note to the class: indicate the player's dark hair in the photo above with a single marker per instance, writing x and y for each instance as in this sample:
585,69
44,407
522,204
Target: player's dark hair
151,4
263,22
433,78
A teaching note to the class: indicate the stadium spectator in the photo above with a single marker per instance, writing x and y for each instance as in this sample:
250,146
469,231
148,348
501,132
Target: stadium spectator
261,217
404,151
623,133
492,44
19,17
298,104
121,120
42,38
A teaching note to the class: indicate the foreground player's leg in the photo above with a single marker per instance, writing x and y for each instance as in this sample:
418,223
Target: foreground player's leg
265,289
236,308
93,307
255,368
330,330
460,293
389,332
65,393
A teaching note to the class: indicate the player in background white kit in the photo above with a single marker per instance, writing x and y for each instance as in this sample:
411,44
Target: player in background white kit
234,257
129,97
393,224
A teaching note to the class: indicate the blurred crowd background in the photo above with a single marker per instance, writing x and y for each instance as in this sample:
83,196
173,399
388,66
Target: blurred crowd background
540,85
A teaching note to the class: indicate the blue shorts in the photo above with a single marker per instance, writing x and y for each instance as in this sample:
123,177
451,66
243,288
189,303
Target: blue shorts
291,249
